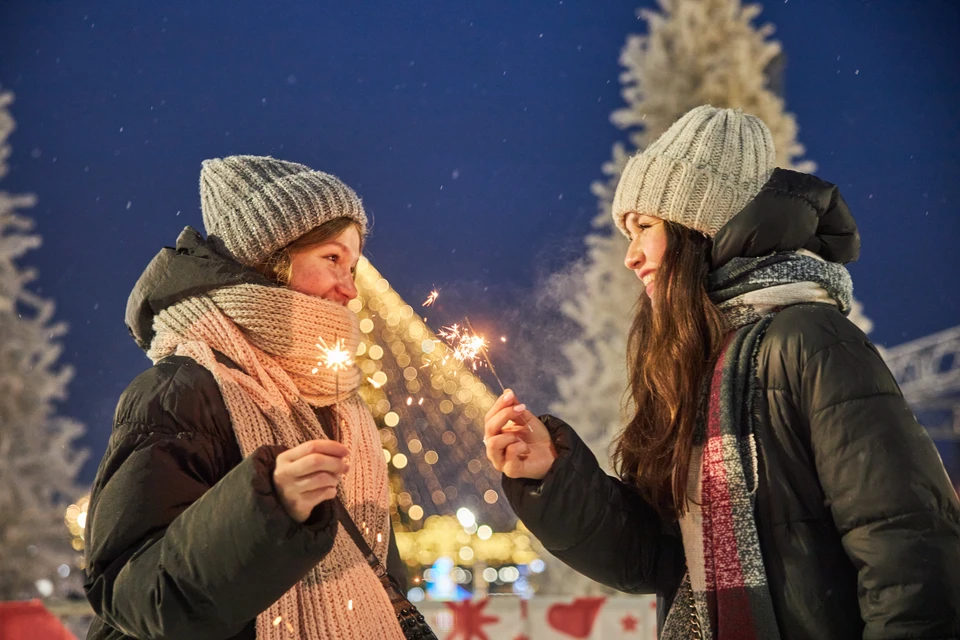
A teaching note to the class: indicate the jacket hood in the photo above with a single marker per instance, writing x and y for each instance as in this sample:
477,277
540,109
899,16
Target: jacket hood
191,268
792,211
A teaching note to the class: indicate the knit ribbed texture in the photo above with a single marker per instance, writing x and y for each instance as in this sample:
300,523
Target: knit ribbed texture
700,173
271,333
255,205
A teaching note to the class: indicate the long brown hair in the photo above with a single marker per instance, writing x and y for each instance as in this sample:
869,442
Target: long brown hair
672,346
278,267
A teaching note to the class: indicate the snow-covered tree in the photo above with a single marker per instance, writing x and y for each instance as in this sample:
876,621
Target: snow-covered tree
694,52
38,461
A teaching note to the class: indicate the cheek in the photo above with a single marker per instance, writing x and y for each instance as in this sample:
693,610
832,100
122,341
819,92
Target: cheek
656,248
311,280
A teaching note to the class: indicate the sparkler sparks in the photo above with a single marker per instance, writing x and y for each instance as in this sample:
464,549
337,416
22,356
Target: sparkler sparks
431,298
333,357
465,344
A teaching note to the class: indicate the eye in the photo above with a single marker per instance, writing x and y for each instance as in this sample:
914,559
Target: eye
333,258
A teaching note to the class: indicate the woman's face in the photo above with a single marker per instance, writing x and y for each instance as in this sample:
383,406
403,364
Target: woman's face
326,270
648,241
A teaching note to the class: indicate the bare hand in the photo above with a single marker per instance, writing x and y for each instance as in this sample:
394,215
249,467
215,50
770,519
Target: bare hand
517,442
308,474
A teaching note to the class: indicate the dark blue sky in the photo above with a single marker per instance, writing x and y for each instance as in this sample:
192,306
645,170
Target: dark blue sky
472,131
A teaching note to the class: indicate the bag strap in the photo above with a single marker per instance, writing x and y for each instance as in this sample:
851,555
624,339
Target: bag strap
346,520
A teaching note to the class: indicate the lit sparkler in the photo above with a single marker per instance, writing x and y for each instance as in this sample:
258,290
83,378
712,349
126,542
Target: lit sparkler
431,298
338,359
467,346
333,357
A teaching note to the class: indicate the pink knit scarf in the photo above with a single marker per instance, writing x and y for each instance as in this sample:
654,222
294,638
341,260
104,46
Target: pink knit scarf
271,333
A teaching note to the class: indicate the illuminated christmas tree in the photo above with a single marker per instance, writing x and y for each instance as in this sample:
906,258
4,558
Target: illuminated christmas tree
429,402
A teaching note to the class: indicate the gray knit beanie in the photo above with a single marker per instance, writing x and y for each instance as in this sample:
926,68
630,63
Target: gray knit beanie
700,173
254,205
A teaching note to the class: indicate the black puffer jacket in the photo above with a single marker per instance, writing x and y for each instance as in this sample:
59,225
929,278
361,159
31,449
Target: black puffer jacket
858,523
185,537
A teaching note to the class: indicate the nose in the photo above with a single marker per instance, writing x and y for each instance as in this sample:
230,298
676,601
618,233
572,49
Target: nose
634,258
347,287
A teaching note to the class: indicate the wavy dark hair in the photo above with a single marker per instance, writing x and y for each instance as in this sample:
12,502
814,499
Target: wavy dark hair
673,343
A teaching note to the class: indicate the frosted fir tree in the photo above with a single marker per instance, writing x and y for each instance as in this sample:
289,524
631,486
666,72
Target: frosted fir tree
38,461
694,52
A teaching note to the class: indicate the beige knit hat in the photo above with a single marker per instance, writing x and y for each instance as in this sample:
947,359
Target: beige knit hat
255,205
700,173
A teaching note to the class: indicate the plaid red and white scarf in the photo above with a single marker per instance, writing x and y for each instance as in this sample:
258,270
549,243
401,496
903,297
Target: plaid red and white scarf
725,594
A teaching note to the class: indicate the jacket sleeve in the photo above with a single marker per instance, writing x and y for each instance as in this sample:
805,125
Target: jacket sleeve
593,522
888,492
175,553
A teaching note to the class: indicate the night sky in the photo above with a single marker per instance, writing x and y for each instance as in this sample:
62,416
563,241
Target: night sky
471,129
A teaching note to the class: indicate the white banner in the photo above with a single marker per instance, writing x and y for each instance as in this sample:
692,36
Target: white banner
544,618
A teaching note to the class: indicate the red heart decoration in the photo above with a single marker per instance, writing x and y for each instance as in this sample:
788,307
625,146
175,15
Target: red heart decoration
577,618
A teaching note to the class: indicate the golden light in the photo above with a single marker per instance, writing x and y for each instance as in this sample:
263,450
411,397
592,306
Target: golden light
391,419
415,512
334,357
399,461
431,298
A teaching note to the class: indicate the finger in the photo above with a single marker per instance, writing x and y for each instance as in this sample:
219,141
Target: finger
496,446
496,422
315,497
314,462
319,480
507,398
327,447
516,450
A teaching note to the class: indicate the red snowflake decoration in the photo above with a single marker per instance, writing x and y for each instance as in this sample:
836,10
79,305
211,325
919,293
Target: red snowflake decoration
468,620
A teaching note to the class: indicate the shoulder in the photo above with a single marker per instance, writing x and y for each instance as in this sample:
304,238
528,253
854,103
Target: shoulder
804,333
805,329
175,396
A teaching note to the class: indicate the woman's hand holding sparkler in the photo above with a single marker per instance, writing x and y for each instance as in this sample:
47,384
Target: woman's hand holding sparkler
308,474
517,442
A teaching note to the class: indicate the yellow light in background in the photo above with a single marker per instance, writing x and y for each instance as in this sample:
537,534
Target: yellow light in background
380,378
381,286
355,305
484,532
415,446
415,512
361,348
386,456
399,461
490,496
376,352
466,554
449,437
366,325
431,457
391,419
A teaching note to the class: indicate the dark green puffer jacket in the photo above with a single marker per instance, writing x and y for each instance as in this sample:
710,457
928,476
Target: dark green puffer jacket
186,539
859,525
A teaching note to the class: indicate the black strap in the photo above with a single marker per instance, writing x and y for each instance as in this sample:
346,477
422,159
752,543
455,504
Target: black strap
351,528
343,516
